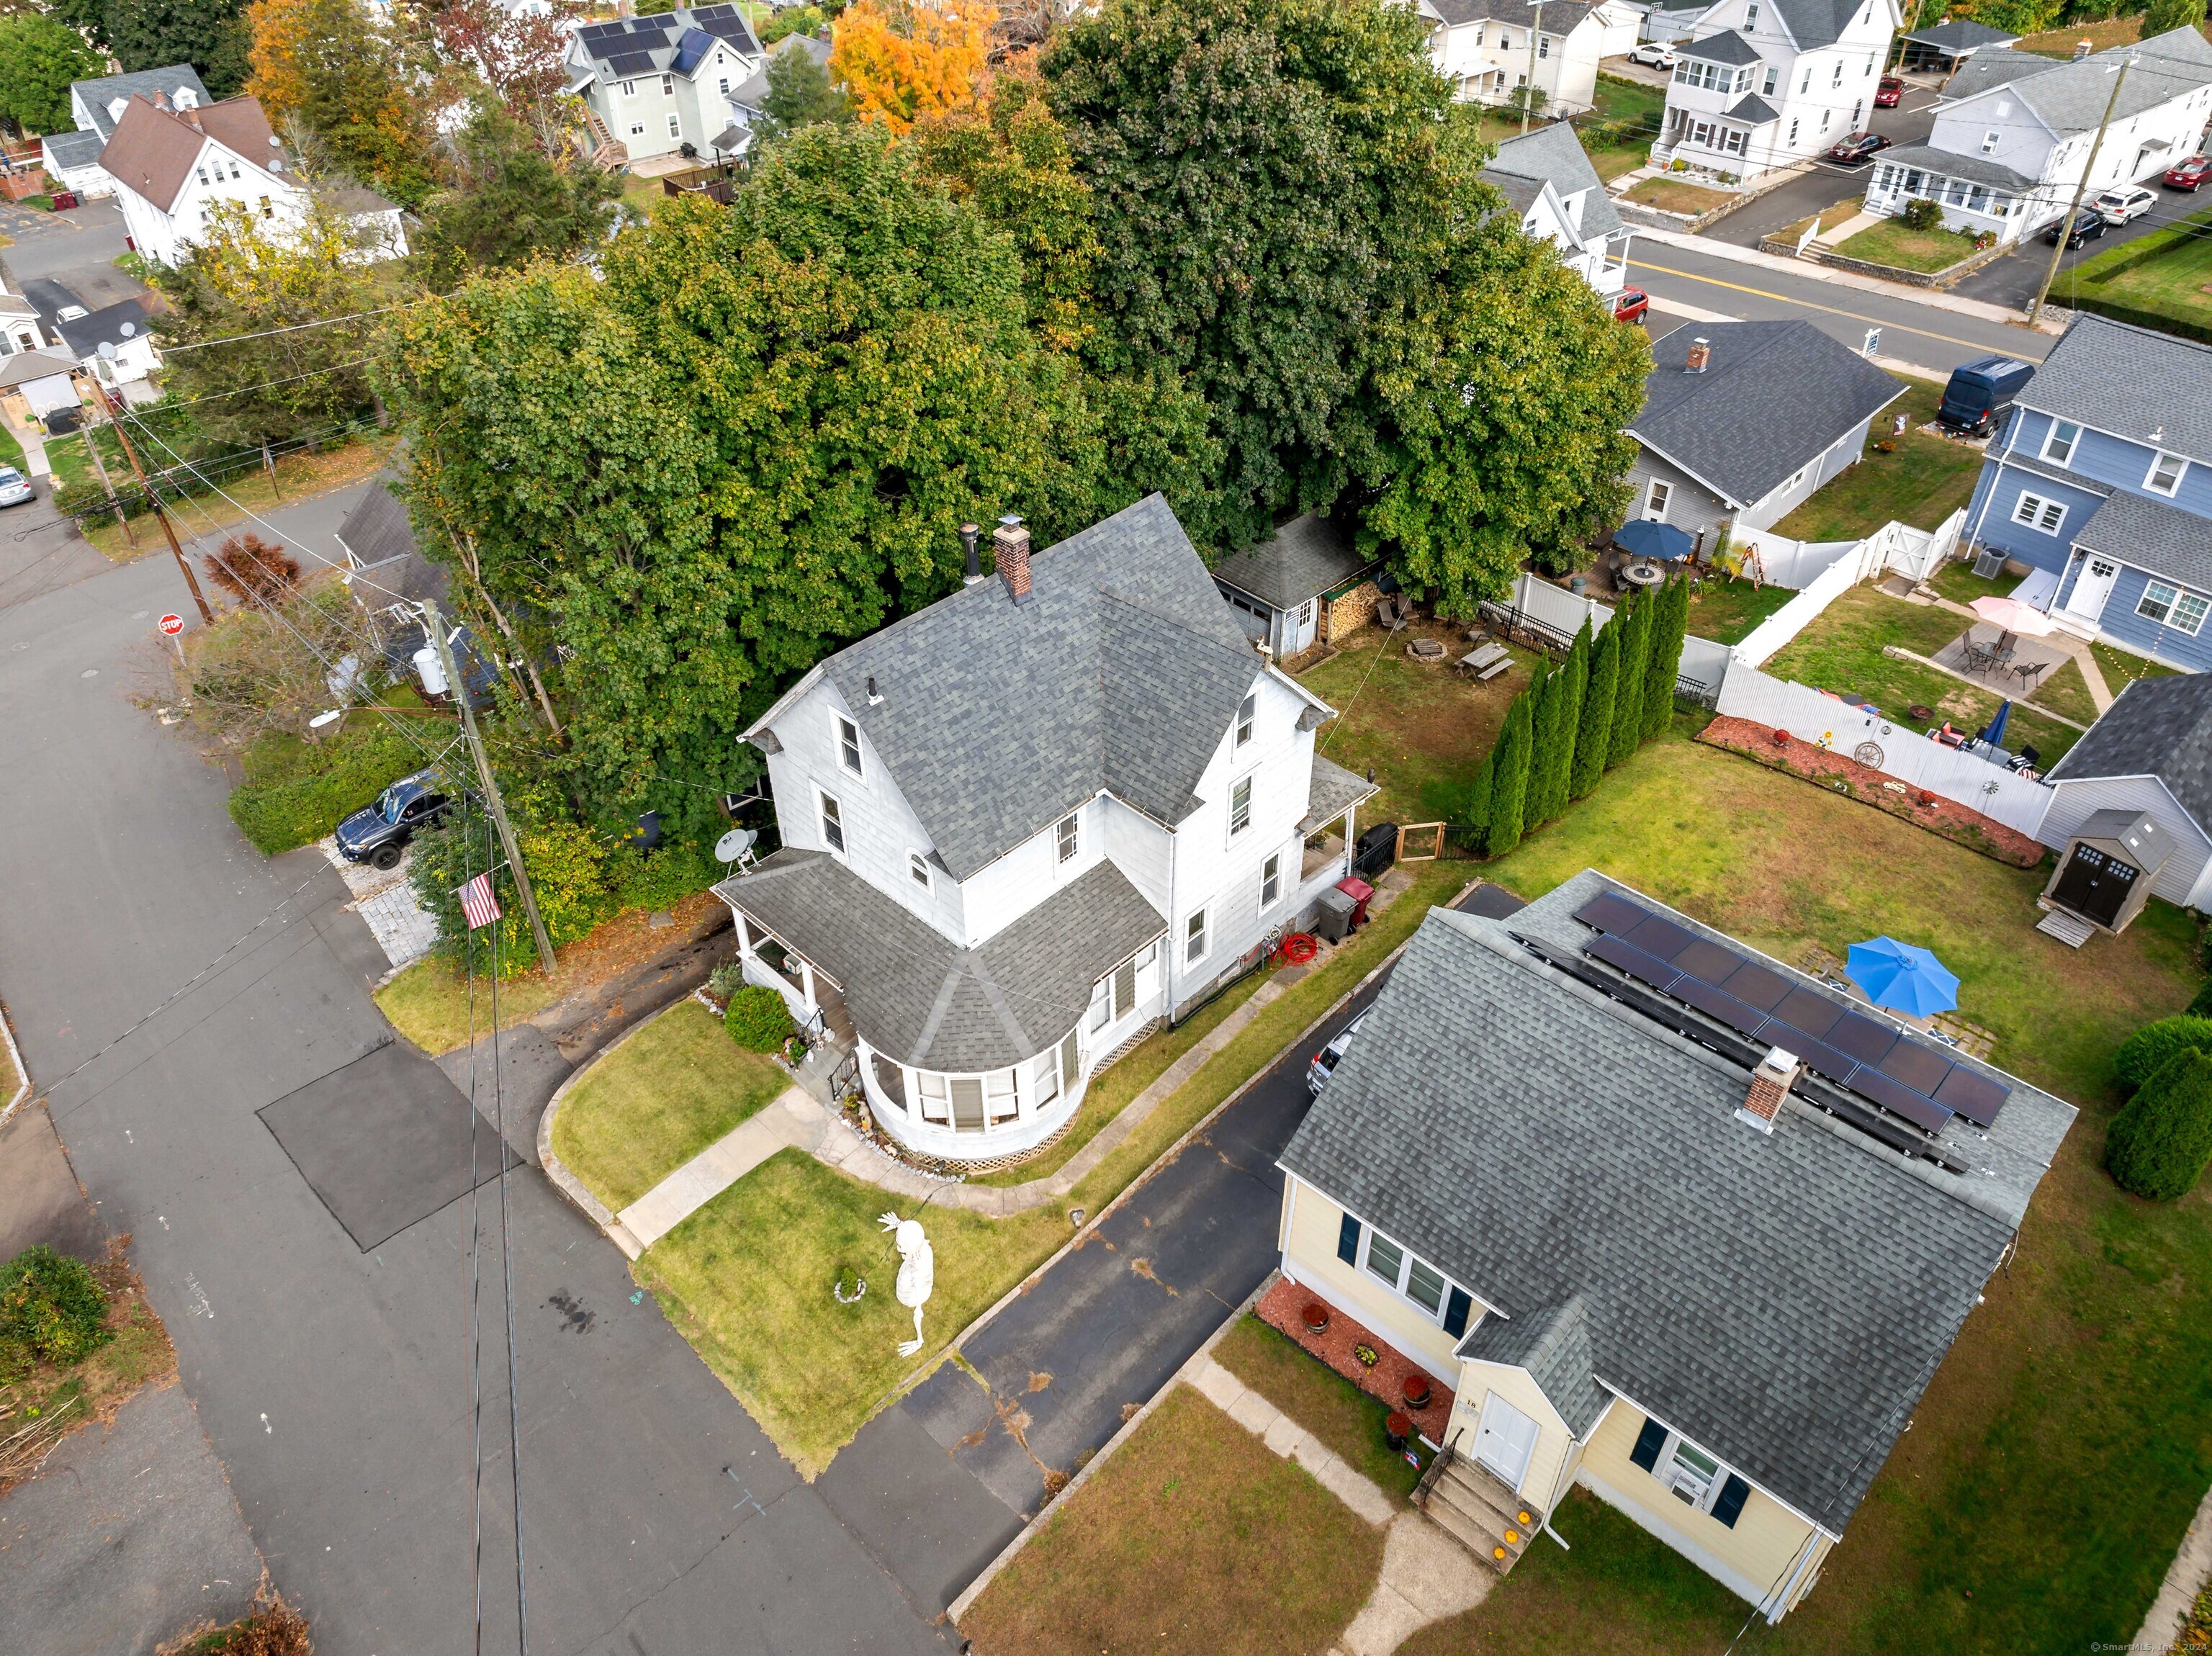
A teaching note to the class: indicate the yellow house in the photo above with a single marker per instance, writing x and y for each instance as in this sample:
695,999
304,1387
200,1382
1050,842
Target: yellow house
1692,1229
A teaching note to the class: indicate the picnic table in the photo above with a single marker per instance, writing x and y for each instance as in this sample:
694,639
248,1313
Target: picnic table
1487,661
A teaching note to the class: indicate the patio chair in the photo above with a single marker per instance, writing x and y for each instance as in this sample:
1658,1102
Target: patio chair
1391,612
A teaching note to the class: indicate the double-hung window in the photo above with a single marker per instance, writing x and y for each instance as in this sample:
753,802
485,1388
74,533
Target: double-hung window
2041,515
848,744
1250,708
2165,474
833,825
1240,806
1406,1273
917,865
2171,606
1750,18
1193,938
1271,881
1543,46
675,125
1693,1477
668,85
1067,835
1990,140
1655,496
1838,79
2059,446
1772,75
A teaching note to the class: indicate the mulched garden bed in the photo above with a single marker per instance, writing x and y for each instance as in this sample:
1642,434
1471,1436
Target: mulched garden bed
1279,1309
1843,774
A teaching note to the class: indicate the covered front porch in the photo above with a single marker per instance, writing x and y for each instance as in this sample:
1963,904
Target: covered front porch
1330,829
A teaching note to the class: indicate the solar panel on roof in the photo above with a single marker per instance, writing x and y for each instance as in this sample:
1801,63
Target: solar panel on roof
1705,960
1974,1096
630,62
727,28
1755,986
599,32
1916,1066
1901,1100
1610,913
1814,1014
1662,938
1863,1037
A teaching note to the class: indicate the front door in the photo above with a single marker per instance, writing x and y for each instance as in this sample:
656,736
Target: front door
2094,886
2093,586
1504,1441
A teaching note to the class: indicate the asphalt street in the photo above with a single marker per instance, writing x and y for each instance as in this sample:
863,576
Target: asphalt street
331,1381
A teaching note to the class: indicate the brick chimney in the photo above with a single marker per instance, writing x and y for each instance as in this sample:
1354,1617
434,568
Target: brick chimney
1701,352
1010,546
1770,1082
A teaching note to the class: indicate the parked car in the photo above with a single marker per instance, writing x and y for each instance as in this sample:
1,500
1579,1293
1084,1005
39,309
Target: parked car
1654,55
14,486
1326,1060
1888,92
1630,304
1979,392
2128,201
2189,174
2089,224
378,834
1858,148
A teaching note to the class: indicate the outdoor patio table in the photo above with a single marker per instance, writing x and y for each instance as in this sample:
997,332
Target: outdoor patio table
1642,574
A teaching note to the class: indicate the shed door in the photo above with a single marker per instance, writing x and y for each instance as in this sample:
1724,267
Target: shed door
1504,1441
2094,886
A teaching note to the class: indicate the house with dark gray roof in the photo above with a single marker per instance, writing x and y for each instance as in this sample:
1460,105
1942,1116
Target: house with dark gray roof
2012,138
1680,1223
1743,421
657,83
1763,84
1942,48
1022,825
1490,49
1288,589
2099,488
2136,791
1547,177
96,108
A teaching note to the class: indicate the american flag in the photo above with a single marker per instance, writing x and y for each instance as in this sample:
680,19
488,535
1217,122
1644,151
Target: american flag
478,907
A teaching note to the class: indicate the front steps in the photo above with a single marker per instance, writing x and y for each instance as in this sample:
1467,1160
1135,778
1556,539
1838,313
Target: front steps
1472,1505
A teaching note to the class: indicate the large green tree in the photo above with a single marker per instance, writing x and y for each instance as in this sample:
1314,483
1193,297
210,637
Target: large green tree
1594,738
1670,625
800,94
211,35
1514,754
509,203
1633,619
39,58
2159,1142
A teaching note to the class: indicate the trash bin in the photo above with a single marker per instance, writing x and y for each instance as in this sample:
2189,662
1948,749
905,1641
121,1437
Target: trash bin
1337,910
1359,891
1377,850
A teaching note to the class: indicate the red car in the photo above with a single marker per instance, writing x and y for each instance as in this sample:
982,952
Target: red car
1630,304
1887,92
2187,175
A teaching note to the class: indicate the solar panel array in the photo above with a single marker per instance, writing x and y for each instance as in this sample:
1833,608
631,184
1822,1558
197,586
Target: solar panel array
630,62
723,23
691,47
627,45
1871,1058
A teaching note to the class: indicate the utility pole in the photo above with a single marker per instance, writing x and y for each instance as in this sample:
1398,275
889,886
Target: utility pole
2066,224
1529,89
100,465
131,453
458,691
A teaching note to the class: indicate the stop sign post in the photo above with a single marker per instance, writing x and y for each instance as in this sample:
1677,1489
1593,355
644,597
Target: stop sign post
172,627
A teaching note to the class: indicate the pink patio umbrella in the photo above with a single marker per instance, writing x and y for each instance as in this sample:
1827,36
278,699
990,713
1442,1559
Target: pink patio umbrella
2013,617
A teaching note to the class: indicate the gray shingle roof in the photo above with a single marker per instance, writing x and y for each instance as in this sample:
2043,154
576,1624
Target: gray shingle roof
2129,381
2158,727
1559,17
1955,164
72,150
1122,673
1334,791
1774,396
1725,47
2071,96
1555,156
1814,23
1753,110
100,93
1302,560
2151,535
1552,1342
113,326
377,532
1961,35
912,994
1781,1300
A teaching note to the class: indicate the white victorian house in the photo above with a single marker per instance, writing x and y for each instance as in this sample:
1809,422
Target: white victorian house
1024,824
1489,48
653,84
1768,83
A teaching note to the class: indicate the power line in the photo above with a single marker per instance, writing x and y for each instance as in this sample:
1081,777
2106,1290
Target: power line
296,327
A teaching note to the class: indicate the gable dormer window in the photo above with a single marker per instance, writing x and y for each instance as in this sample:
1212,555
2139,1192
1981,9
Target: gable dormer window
1990,140
1244,716
1750,18
2165,474
917,865
1067,837
848,744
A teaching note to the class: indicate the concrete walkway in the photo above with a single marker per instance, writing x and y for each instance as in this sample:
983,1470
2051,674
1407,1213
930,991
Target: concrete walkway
1846,228
2092,675
792,1119
2185,1578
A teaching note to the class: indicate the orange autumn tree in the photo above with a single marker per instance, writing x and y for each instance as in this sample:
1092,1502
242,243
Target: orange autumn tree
902,60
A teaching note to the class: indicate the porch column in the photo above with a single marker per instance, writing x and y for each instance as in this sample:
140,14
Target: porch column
1350,834
744,938
806,982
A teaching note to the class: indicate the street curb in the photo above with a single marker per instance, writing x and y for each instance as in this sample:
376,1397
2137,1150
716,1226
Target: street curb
556,1170
15,1056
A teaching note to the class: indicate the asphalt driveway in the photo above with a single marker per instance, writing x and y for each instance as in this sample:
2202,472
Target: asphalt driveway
1824,184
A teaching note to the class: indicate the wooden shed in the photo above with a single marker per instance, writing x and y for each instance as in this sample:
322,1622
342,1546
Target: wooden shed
2104,875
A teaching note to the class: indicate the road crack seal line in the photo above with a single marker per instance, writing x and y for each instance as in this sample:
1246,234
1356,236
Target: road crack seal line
1143,1268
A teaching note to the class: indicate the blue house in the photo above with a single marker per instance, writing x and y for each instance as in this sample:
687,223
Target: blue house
2101,481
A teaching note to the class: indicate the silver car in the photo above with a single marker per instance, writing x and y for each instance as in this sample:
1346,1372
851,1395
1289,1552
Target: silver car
14,486
1326,1060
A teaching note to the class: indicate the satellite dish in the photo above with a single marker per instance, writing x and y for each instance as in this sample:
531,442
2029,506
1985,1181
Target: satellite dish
107,350
736,845
130,328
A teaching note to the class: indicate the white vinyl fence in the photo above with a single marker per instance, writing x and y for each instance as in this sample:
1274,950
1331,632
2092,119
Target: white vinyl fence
1913,553
1899,750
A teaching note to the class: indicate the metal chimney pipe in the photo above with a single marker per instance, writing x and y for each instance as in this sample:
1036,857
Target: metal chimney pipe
967,534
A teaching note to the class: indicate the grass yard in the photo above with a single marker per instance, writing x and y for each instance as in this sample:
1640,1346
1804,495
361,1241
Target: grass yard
746,1279
1726,610
2061,1450
138,1353
1957,581
2066,693
1927,479
1424,729
1344,1418
2121,667
1674,196
298,476
1891,243
2061,42
674,1088
1619,101
2171,282
11,451
1841,652
1194,1537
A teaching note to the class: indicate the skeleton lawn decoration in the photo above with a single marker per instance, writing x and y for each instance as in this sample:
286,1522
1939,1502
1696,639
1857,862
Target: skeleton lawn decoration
917,1273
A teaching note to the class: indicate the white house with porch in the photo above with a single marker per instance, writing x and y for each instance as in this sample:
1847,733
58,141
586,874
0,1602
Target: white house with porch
1024,825
1489,49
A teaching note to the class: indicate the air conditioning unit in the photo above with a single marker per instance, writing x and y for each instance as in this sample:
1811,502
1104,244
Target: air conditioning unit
1990,563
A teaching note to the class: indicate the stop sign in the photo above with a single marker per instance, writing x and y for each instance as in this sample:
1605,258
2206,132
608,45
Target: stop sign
172,625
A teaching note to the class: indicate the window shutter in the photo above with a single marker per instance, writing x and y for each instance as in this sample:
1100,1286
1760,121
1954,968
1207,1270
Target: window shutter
1648,1443
1730,1503
1125,987
1347,1241
1456,1310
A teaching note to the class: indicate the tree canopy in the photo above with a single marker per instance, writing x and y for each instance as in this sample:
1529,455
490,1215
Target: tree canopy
902,60
509,203
39,58
332,74
211,35
800,94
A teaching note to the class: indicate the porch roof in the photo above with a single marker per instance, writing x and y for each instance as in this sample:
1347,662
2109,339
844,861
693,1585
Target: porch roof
1974,169
2152,536
913,994
1334,791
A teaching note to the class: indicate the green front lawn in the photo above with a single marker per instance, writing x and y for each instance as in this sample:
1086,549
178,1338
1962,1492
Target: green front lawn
1620,104
2060,1453
746,1279
2121,667
1890,243
671,1090
1675,196
1923,482
1344,1418
2171,281
1727,610
1194,1537
1842,652
429,1002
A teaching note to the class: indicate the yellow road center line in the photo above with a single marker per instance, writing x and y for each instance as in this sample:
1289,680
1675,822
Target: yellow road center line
1807,304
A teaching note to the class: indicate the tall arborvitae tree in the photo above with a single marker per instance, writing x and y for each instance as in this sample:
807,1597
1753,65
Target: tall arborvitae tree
1479,796
1670,623
1594,739
1509,793
2159,1142
1576,676
1551,693
1633,618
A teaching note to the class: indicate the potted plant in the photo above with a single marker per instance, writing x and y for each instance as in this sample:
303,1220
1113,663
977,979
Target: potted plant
1368,1356
1396,1429
1417,1391
1314,1315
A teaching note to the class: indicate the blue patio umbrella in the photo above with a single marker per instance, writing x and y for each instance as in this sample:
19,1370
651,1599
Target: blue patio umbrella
1902,977
1646,539
1995,734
